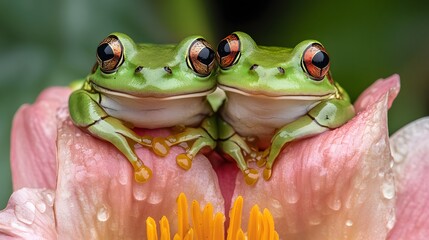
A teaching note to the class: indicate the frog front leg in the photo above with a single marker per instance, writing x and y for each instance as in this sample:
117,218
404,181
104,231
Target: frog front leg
198,138
87,114
236,148
326,115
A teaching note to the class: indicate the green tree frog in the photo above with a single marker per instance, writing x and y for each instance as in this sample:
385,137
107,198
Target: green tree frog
274,95
149,86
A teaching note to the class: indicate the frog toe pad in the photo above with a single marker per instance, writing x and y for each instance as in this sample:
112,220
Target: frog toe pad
251,176
267,173
160,146
184,161
142,174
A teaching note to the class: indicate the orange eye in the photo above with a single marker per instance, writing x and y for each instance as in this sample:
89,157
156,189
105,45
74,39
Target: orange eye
228,51
201,57
110,54
315,61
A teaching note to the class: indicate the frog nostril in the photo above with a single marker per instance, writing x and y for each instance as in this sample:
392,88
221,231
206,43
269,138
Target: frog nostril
139,69
168,69
281,70
253,67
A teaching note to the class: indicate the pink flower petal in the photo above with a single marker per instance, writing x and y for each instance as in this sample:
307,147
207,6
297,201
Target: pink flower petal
29,215
410,150
391,86
337,185
33,148
97,196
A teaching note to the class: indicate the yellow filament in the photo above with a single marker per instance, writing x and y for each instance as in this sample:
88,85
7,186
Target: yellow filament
197,219
182,215
254,222
240,235
165,228
208,226
218,227
208,222
151,229
235,218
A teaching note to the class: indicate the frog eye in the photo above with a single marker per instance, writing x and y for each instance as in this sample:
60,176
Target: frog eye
228,51
110,54
201,57
315,61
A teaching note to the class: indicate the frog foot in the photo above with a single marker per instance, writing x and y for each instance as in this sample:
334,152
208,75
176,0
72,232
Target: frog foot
184,160
142,173
251,176
263,162
193,141
160,146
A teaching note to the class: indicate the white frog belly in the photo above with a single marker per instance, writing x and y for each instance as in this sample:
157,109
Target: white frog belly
260,117
156,113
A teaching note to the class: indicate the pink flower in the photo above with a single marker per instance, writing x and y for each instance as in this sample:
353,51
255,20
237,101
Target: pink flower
337,185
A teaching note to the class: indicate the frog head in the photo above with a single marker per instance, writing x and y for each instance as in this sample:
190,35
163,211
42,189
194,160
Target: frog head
276,72
152,70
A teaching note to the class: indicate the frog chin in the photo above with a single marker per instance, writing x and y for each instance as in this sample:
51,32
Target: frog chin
160,97
264,94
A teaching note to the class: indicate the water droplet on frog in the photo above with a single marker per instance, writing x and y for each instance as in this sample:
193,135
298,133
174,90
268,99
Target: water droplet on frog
25,212
349,223
388,190
103,213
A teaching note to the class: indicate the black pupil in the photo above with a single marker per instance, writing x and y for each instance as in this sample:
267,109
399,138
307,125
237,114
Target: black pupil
206,56
105,52
223,49
320,59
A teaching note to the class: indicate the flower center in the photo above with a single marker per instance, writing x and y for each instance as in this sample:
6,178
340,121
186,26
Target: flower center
206,225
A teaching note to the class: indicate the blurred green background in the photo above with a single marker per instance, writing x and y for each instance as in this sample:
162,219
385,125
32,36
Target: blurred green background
45,43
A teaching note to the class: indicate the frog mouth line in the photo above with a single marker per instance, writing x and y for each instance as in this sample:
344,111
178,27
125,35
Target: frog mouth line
162,98
279,97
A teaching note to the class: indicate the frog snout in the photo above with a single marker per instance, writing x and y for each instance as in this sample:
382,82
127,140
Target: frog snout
263,71
166,69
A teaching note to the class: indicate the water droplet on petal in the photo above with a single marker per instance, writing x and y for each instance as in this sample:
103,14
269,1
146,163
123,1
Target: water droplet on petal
154,198
349,223
25,212
49,199
122,175
41,206
315,219
276,204
292,196
334,204
391,219
103,213
139,193
388,190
